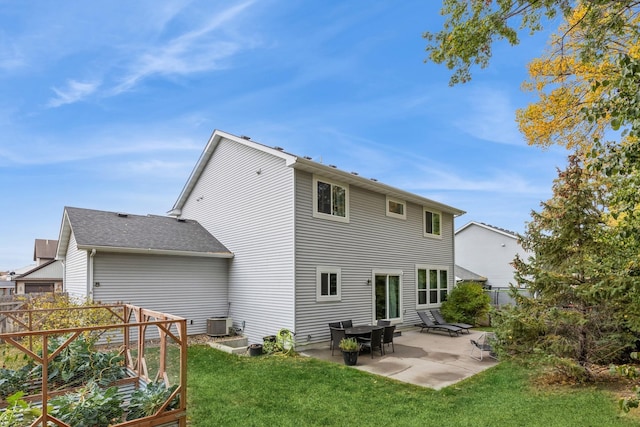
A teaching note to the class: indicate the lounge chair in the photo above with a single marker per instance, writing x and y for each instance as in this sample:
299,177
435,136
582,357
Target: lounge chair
437,316
483,344
428,324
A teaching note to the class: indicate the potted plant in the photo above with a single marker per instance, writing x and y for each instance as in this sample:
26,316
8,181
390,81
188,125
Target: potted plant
350,348
255,349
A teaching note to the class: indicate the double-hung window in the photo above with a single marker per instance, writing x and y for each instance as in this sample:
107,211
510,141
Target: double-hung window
331,200
432,223
328,286
432,285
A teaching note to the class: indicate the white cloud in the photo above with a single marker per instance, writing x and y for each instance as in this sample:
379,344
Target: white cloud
74,91
489,116
195,51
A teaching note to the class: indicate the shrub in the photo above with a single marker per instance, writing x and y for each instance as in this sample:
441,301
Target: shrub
466,303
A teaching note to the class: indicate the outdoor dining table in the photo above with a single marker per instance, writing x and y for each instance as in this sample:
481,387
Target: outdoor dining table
360,330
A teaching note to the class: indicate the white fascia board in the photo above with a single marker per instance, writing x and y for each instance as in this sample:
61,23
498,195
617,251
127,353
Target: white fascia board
64,236
113,249
486,227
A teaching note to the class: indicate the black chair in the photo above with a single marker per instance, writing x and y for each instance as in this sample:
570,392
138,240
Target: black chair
347,324
437,316
337,334
333,325
383,322
387,337
373,343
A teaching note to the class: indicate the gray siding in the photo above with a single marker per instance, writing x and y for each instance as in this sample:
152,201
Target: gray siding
371,241
190,287
75,269
244,197
51,271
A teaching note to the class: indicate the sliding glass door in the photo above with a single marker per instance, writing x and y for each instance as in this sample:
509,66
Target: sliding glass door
387,296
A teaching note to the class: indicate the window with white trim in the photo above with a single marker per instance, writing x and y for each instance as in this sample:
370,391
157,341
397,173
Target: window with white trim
432,223
432,285
396,208
331,200
328,284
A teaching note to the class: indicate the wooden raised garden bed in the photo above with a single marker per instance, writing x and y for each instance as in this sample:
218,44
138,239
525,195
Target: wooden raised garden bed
109,365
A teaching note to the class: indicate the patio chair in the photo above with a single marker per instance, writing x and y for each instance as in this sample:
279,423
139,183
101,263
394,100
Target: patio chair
387,337
337,334
383,322
346,324
373,343
333,325
483,344
437,316
429,324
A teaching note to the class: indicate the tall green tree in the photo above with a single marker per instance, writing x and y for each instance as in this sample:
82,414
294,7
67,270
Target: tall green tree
578,279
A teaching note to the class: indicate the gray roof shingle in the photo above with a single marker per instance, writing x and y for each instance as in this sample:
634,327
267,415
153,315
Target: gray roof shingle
145,232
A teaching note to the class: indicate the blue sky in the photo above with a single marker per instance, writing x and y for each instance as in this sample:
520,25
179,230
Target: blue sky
108,105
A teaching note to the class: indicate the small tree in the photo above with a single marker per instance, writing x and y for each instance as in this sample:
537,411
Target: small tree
466,303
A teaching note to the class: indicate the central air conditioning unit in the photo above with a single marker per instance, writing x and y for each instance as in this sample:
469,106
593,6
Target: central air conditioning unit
219,326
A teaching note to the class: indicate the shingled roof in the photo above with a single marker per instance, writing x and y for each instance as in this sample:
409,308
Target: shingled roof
121,232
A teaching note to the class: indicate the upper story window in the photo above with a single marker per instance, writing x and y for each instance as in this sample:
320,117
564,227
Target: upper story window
396,208
331,200
432,223
328,284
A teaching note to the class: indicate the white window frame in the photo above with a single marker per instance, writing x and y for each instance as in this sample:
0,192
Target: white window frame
447,286
316,213
328,270
424,223
394,214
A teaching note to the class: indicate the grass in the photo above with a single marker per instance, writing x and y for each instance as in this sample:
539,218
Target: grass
225,389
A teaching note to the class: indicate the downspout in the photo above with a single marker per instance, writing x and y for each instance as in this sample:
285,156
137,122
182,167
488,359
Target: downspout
90,284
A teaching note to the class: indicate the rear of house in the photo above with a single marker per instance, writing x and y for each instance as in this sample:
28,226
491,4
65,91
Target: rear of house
313,244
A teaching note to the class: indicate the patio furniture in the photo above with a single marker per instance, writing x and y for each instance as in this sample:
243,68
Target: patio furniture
347,324
429,324
437,316
337,334
360,331
387,337
331,325
374,342
383,322
483,344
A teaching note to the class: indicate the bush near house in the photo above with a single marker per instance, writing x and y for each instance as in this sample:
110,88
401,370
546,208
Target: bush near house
466,303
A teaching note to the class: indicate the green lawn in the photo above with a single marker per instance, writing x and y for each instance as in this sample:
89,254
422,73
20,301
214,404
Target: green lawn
229,390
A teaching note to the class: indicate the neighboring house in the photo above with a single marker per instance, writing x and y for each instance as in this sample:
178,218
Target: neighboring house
463,276
305,244
156,262
46,276
44,250
7,287
488,251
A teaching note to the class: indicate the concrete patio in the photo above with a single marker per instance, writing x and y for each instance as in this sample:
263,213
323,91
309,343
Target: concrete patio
428,359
